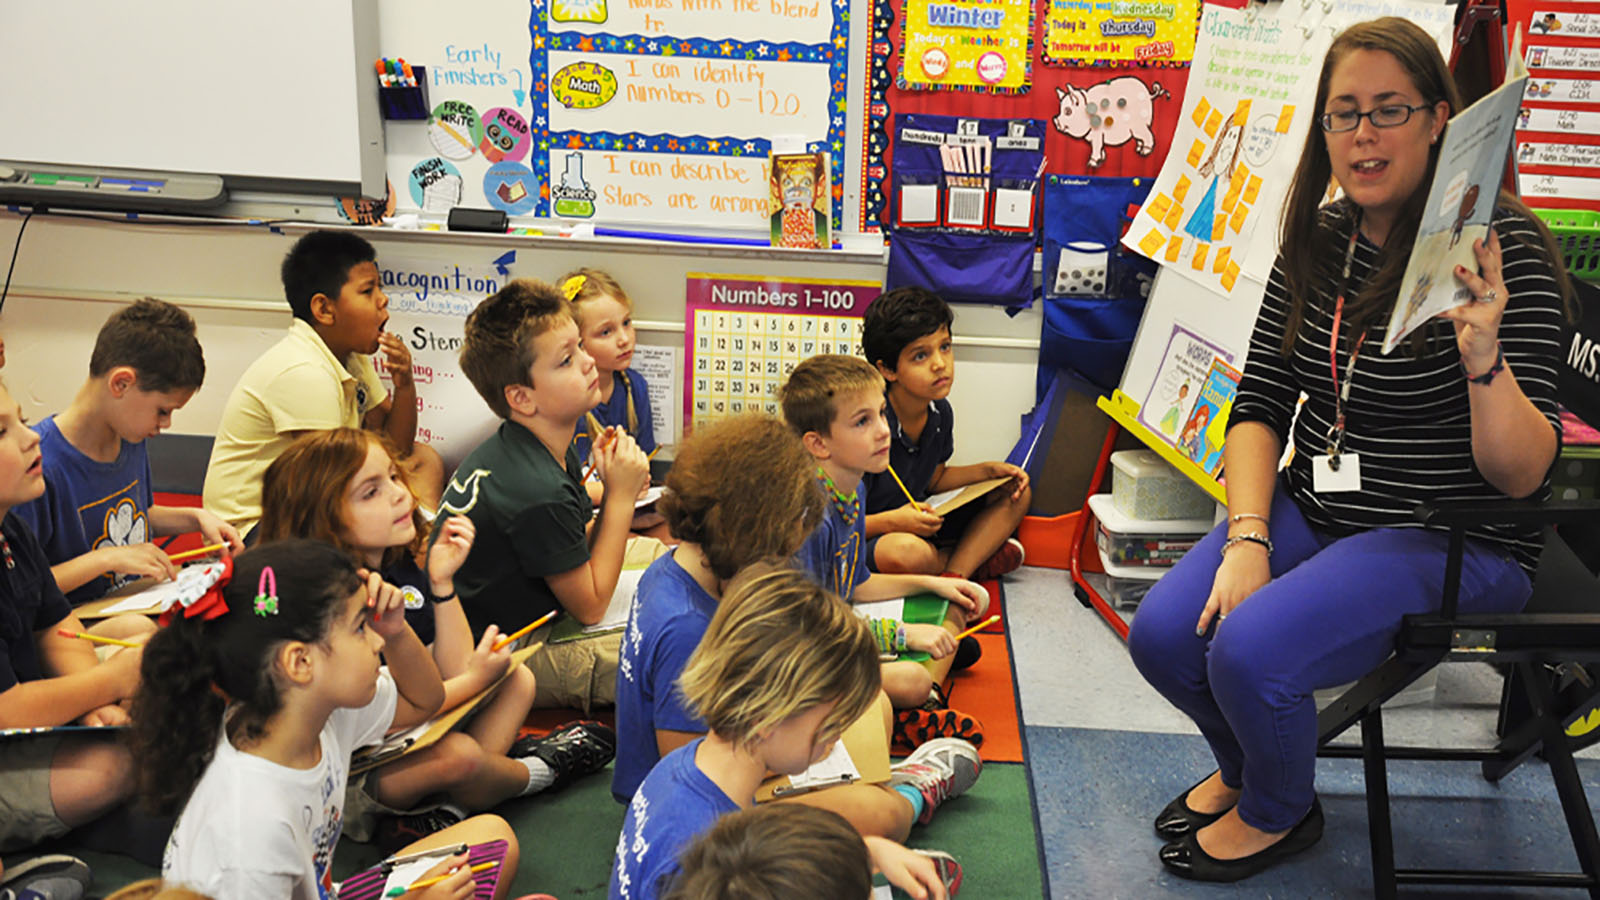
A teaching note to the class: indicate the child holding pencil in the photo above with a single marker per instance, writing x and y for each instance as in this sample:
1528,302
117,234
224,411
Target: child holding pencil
291,634
344,487
783,669
49,783
98,515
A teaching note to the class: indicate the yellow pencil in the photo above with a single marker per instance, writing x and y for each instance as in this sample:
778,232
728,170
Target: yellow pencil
202,551
95,638
914,503
603,443
524,629
652,454
430,882
976,628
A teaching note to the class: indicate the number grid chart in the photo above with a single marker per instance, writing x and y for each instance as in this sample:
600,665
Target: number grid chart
744,335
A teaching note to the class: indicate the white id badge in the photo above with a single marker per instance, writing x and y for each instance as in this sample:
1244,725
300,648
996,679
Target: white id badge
1324,480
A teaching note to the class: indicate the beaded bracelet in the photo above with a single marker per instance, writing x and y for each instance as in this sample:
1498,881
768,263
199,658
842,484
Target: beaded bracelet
1253,537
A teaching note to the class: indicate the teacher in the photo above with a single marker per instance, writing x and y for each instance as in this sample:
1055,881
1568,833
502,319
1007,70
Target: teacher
1304,586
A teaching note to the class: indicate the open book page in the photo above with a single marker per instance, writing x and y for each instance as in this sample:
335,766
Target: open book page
621,603
1472,158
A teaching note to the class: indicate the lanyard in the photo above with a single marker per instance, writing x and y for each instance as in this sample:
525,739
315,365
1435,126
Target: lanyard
1341,393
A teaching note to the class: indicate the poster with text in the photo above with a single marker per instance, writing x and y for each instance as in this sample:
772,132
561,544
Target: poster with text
967,45
1120,32
1185,370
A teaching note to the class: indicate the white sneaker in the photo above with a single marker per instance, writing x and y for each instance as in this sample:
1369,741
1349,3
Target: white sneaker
940,769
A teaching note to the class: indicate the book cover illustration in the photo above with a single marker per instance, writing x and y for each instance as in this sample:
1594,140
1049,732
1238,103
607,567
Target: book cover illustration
801,193
1201,439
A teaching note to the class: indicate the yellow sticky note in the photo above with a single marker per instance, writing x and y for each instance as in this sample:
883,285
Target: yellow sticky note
1213,121
1218,226
1252,189
1229,199
1241,113
1181,189
1221,262
1230,275
1174,247
1201,110
1157,208
1241,174
1197,152
1199,261
1239,215
1150,245
1285,118
1174,217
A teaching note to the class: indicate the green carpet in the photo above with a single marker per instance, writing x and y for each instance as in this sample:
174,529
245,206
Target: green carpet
567,841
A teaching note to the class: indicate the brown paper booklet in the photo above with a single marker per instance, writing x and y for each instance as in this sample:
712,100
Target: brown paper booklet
861,756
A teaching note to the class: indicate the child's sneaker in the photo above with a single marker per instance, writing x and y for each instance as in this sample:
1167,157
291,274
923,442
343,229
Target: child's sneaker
949,870
940,769
394,832
915,727
968,652
53,877
572,751
1004,561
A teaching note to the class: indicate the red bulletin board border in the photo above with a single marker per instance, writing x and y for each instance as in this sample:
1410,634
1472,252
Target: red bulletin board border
1558,192
1064,155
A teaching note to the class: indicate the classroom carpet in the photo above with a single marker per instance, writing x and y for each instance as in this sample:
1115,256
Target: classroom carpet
988,692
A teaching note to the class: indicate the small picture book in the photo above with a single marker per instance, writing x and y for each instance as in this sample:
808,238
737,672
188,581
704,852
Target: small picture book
1201,438
801,197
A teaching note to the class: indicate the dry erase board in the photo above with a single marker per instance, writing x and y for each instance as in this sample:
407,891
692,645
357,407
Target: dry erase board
650,112
265,94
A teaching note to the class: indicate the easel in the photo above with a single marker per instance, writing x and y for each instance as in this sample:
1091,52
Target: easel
1479,46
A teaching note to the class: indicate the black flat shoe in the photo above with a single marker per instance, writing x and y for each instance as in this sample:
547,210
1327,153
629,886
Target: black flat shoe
1186,859
1177,819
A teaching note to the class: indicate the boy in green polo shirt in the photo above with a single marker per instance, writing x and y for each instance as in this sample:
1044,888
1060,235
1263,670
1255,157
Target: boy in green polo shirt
539,547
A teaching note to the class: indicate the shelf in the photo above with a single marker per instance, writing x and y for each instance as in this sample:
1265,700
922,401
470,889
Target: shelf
1124,410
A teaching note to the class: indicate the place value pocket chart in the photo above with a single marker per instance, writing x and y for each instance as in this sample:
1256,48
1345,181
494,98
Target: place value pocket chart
743,336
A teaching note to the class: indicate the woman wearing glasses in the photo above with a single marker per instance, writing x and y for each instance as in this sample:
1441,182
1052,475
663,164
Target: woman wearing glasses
1304,586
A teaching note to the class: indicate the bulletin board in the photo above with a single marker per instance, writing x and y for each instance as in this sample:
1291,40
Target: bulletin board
745,334
1558,133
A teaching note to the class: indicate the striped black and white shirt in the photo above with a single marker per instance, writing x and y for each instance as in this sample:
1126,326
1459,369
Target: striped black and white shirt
1407,417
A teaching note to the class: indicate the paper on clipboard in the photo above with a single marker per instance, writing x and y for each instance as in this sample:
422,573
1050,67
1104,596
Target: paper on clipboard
865,745
147,596
428,733
944,503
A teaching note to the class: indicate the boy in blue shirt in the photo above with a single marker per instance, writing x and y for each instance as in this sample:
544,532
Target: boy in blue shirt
906,335
97,515
539,547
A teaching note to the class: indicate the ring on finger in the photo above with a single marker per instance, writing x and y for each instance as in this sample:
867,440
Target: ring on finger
1491,295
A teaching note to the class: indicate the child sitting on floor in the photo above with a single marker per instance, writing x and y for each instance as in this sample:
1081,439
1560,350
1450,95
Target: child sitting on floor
343,487
835,403
97,516
292,635
605,325
906,335
776,852
49,783
783,669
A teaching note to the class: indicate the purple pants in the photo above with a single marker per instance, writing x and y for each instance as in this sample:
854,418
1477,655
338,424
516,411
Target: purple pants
1328,616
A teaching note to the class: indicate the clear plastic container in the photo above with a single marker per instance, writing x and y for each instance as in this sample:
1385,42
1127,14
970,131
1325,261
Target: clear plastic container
1125,541
1145,486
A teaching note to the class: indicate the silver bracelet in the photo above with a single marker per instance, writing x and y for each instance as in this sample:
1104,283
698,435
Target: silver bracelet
1240,517
1253,537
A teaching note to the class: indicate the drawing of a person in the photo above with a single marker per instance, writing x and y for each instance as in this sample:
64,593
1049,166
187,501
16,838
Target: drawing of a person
1193,444
1546,24
1469,202
798,223
1220,164
1173,417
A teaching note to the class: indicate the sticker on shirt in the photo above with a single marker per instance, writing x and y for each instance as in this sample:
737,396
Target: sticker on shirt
413,597
1330,475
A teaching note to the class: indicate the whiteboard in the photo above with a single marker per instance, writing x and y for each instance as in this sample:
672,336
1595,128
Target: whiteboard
268,95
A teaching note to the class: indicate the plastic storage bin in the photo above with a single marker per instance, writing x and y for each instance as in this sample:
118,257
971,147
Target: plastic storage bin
1125,541
1144,486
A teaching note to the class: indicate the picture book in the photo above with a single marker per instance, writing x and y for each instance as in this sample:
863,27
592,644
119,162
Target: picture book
1201,438
801,196
1472,158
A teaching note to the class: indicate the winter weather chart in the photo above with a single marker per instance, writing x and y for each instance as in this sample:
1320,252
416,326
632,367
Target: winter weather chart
744,334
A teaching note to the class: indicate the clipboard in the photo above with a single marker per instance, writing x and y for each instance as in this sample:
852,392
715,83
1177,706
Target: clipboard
868,747
429,733
162,595
923,609
944,503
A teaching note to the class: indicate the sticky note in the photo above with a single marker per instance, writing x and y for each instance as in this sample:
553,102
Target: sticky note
1285,118
1241,113
1221,261
1241,174
1174,217
1240,213
1174,247
1201,110
1157,208
1252,189
1197,152
1199,261
1229,199
1150,245
1230,275
1213,121
1181,189
1218,226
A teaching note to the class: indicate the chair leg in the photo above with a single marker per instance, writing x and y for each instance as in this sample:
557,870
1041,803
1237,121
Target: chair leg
1569,785
1378,828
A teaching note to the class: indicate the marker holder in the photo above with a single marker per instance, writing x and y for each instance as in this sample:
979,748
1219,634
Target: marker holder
406,102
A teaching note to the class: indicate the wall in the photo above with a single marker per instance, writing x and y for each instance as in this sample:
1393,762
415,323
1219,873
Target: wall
72,272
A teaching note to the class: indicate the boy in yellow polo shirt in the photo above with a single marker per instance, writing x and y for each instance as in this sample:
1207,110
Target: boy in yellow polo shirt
319,376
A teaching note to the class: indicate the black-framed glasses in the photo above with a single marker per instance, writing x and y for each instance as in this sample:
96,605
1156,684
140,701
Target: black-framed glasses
1389,116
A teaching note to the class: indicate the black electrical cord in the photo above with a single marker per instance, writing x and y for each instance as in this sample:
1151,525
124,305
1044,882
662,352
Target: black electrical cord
14,250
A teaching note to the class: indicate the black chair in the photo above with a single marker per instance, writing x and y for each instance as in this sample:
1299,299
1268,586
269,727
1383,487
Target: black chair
1544,650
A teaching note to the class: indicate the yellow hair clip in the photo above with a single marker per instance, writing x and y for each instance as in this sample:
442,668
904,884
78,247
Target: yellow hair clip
572,286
